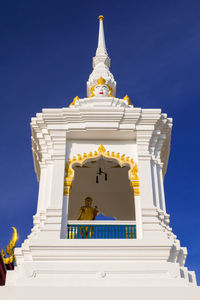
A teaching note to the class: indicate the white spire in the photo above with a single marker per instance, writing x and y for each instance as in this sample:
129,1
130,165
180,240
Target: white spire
101,63
101,53
101,50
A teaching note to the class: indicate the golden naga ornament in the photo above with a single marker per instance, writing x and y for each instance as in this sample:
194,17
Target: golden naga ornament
10,248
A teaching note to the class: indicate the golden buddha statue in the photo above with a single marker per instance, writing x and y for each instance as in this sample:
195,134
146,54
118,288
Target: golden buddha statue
88,212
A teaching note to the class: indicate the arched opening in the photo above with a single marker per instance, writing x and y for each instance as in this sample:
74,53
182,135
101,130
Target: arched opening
114,197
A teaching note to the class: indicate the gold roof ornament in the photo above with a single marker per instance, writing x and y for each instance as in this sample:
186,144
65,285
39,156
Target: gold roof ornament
101,149
101,81
126,98
74,100
10,248
101,18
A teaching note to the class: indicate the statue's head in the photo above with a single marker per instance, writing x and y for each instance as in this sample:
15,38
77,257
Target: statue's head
88,201
101,89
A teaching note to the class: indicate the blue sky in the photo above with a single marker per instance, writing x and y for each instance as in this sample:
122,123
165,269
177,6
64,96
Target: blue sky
46,57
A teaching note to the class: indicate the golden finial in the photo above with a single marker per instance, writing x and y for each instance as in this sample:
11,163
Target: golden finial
10,248
101,149
101,18
127,99
74,100
101,80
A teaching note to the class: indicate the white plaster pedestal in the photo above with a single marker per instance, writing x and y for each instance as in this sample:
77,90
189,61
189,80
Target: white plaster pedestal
86,262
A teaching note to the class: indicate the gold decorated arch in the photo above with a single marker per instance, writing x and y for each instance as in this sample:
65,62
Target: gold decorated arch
101,152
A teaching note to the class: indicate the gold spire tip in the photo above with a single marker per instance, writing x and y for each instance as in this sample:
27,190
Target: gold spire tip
101,18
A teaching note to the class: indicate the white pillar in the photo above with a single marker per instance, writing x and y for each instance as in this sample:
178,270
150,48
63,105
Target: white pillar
145,177
57,184
138,217
155,184
48,184
42,188
64,216
161,188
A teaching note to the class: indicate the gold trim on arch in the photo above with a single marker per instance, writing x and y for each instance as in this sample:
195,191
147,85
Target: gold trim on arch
122,160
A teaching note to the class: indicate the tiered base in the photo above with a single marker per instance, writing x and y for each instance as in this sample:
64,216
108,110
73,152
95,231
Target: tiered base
102,263
99,293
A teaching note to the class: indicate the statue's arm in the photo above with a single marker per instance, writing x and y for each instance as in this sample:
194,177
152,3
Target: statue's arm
80,213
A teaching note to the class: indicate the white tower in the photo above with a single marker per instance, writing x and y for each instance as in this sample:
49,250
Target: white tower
104,148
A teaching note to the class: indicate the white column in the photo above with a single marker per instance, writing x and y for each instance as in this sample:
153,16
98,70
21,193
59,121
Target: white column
155,184
42,186
52,187
64,217
45,186
48,184
51,223
151,227
143,138
138,217
57,184
161,188
145,176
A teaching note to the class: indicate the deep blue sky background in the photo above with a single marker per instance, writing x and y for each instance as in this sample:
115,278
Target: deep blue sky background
46,51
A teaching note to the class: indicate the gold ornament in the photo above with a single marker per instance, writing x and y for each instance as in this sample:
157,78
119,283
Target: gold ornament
101,18
121,159
127,99
101,81
10,248
74,100
101,149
